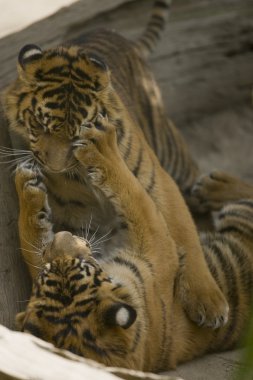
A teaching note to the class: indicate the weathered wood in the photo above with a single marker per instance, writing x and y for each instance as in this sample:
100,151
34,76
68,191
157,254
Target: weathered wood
17,349
203,64
14,283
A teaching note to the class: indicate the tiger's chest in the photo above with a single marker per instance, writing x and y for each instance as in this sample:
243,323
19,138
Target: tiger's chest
79,208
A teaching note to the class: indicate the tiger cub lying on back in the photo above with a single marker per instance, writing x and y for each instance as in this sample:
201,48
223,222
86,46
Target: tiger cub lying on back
125,310
58,93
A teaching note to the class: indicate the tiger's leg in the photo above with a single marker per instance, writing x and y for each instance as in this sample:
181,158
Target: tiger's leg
203,301
148,235
218,188
178,161
35,228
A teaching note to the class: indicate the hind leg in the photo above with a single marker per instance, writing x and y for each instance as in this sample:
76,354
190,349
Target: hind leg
35,228
218,188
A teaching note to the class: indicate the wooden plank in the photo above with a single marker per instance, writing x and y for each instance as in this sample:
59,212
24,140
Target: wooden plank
17,349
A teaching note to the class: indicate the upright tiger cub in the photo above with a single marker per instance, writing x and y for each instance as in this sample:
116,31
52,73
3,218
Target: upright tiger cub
125,309
57,94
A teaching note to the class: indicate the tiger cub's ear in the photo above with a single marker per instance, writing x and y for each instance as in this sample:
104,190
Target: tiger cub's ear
29,61
120,314
99,70
19,320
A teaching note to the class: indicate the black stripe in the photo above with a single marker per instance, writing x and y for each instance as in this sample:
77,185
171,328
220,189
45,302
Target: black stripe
85,301
55,106
148,109
245,202
230,230
232,294
131,266
55,91
62,334
151,184
161,4
67,202
98,350
65,300
210,263
236,212
58,71
120,130
137,167
82,75
147,44
157,19
33,329
164,344
153,34
137,336
68,318
89,336
21,97
244,261
51,309
79,290
129,147
76,277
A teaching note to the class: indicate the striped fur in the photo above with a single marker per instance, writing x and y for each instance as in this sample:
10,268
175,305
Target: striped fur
126,310
59,93
152,34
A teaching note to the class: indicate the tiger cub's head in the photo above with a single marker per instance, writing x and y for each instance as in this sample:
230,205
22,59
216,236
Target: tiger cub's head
56,93
76,306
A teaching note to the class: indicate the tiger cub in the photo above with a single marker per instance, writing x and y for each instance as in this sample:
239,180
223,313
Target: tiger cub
126,310
57,94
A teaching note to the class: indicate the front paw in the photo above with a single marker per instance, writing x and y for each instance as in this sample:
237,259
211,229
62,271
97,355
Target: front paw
32,195
96,148
205,305
213,190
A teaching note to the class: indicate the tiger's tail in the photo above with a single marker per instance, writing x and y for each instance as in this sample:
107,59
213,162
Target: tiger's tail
229,255
148,41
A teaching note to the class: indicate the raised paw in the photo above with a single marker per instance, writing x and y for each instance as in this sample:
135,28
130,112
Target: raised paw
205,305
96,148
32,195
213,190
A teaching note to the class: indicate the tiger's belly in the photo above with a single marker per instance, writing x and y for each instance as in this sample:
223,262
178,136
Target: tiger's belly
84,211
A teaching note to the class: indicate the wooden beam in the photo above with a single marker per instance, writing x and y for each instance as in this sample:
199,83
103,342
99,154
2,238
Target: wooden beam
22,356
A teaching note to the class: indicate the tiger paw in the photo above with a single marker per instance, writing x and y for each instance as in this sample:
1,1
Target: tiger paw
213,190
32,195
97,148
204,304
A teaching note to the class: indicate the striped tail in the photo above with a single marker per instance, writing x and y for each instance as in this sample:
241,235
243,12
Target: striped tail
229,255
236,218
148,41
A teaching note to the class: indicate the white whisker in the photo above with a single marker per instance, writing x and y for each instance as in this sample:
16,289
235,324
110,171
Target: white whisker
32,265
92,238
102,239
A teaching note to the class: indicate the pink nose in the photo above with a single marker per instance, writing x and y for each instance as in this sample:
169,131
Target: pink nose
64,243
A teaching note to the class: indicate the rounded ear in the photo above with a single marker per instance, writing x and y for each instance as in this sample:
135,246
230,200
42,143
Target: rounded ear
100,71
19,320
97,62
120,314
28,54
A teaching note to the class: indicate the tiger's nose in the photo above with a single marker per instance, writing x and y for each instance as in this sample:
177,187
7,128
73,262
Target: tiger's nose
66,244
